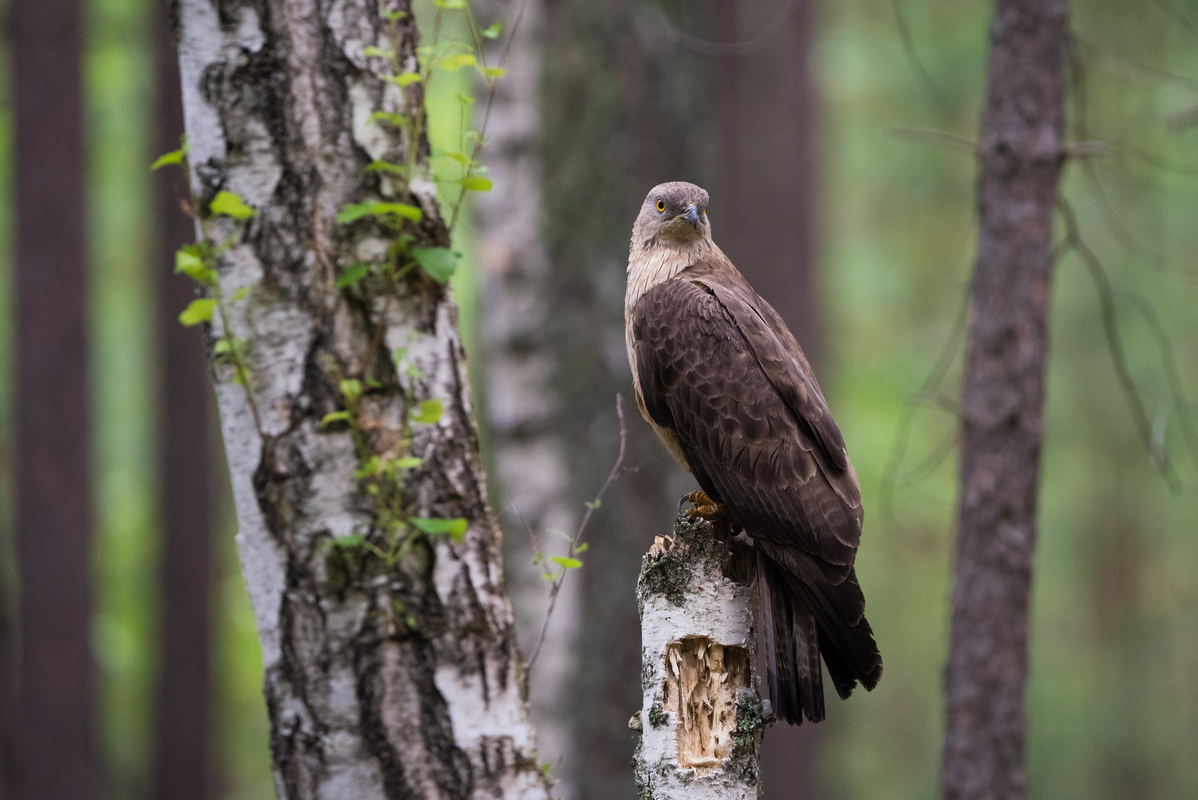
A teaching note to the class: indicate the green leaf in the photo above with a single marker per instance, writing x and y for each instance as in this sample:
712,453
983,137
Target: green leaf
402,79
399,209
373,384
394,16
351,389
429,412
371,467
438,262
494,72
565,561
189,263
456,528
408,462
241,293
198,311
376,52
336,416
352,275
451,4
461,158
353,212
173,157
222,348
353,540
356,211
387,166
477,183
230,205
492,31
398,120
582,548
454,63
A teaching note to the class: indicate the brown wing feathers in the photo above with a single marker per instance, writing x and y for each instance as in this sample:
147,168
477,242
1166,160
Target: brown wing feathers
756,433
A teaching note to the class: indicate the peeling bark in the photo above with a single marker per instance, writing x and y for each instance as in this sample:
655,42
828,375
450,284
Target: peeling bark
701,719
1021,150
381,681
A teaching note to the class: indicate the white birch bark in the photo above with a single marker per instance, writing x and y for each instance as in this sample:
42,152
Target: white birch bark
701,719
381,682
527,447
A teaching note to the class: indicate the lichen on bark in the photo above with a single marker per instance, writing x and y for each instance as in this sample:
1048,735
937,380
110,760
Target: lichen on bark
383,678
698,651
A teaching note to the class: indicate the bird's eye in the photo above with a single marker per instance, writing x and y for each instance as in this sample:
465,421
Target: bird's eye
661,205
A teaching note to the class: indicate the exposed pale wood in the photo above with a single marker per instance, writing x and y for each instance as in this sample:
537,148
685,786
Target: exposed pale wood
701,719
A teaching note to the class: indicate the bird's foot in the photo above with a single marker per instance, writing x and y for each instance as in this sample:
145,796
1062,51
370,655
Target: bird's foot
704,507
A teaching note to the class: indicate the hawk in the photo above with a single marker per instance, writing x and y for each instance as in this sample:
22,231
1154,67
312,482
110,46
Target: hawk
727,388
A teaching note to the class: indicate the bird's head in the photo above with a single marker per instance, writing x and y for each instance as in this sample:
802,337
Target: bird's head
674,214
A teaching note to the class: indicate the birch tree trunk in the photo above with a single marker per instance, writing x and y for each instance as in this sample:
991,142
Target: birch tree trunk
383,678
701,719
527,445
1021,149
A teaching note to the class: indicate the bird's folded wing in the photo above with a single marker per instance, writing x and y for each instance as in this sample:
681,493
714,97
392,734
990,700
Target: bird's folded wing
784,365
701,378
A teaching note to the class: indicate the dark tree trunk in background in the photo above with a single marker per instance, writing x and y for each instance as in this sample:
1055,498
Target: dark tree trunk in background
763,203
1021,150
55,746
765,109
623,109
181,766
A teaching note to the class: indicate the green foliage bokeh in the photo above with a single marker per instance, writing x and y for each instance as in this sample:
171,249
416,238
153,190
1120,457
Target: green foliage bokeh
1113,700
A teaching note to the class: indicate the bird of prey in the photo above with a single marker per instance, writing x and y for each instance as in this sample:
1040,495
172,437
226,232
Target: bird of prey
727,388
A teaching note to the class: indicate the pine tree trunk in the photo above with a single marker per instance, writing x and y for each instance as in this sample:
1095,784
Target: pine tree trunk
1021,151
182,724
54,742
383,679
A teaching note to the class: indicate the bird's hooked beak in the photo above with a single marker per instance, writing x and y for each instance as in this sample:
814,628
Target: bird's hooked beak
691,216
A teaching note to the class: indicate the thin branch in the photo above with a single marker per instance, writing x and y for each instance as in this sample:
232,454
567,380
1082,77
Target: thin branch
1186,23
555,588
491,84
953,140
707,48
902,438
939,98
1172,376
1132,66
1106,209
1110,326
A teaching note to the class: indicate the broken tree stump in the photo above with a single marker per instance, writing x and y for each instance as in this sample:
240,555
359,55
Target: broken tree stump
701,717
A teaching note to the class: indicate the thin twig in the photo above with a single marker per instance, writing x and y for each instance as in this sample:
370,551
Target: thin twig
1113,58
953,140
1106,301
925,77
902,437
742,48
1181,18
1171,374
482,129
616,471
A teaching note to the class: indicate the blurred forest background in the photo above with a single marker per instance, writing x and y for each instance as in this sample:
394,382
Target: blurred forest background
847,127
